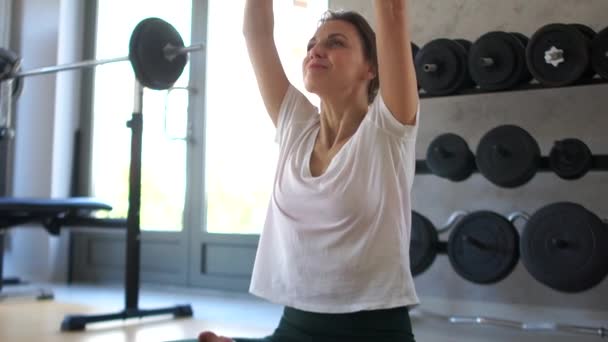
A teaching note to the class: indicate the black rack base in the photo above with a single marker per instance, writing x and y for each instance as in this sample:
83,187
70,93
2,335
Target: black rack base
79,322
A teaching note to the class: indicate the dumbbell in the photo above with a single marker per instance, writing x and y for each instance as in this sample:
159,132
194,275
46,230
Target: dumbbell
508,156
560,54
483,246
563,246
448,156
441,66
570,159
599,53
424,243
497,60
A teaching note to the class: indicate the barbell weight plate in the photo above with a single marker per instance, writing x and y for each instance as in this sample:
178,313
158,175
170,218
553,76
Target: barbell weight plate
441,67
570,159
483,247
448,156
599,53
497,61
8,59
147,55
558,54
526,76
423,243
563,246
508,156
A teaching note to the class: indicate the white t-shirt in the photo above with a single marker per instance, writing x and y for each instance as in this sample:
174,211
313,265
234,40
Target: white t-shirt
339,242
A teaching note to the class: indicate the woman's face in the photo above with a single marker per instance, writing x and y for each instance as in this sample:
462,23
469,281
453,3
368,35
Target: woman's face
335,60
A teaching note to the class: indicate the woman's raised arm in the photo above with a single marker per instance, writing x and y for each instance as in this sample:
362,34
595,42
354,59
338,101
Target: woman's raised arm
258,29
398,86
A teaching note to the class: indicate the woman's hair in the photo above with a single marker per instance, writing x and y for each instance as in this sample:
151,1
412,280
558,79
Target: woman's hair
368,38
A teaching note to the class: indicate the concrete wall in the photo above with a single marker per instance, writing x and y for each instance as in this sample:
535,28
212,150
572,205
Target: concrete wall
548,115
46,117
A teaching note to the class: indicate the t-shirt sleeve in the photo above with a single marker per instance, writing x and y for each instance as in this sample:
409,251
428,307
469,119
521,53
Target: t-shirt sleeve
295,111
385,120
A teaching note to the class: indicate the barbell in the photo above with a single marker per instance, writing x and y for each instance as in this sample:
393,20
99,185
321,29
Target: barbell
156,51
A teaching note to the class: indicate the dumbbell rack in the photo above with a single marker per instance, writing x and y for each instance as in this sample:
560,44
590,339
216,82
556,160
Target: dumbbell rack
522,87
599,163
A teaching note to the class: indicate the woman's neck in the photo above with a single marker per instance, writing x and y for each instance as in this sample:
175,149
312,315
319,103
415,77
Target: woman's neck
340,118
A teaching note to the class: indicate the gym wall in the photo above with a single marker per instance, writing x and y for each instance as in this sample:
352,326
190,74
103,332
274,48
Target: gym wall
547,114
45,32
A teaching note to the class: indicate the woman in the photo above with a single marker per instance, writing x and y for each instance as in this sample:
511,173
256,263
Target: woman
335,247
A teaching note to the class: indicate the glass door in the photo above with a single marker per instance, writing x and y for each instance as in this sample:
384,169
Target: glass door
240,153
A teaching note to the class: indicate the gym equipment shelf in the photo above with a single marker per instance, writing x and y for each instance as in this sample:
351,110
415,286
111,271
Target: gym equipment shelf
524,87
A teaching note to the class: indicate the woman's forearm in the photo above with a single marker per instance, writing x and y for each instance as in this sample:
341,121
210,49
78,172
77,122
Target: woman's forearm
392,14
258,18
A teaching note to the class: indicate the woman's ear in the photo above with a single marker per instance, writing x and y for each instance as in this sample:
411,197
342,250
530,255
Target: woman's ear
371,72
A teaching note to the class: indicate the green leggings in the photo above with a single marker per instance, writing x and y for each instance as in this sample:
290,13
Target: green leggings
387,325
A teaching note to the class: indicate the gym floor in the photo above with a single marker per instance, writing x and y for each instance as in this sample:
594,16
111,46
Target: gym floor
25,319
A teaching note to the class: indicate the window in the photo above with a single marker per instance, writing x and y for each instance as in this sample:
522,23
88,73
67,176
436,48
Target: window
163,156
241,155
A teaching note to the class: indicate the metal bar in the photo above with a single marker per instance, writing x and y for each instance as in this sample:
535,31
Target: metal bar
133,243
6,136
172,51
599,163
534,85
93,63
601,332
71,66
6,105
191,48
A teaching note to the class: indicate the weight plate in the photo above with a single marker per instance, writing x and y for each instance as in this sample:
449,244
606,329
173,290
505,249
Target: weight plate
448,156
441,67
423,244
484,247
8,59
508,156
497,60
466,44
468,81
526,76
586,30
599,53
558,54
563,246
523,39
590,34
570,158
147,55
415,49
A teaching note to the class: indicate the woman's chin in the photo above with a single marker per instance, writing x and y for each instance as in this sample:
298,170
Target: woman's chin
313,88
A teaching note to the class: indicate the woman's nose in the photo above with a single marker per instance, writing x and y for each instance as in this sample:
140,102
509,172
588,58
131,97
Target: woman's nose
316,51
